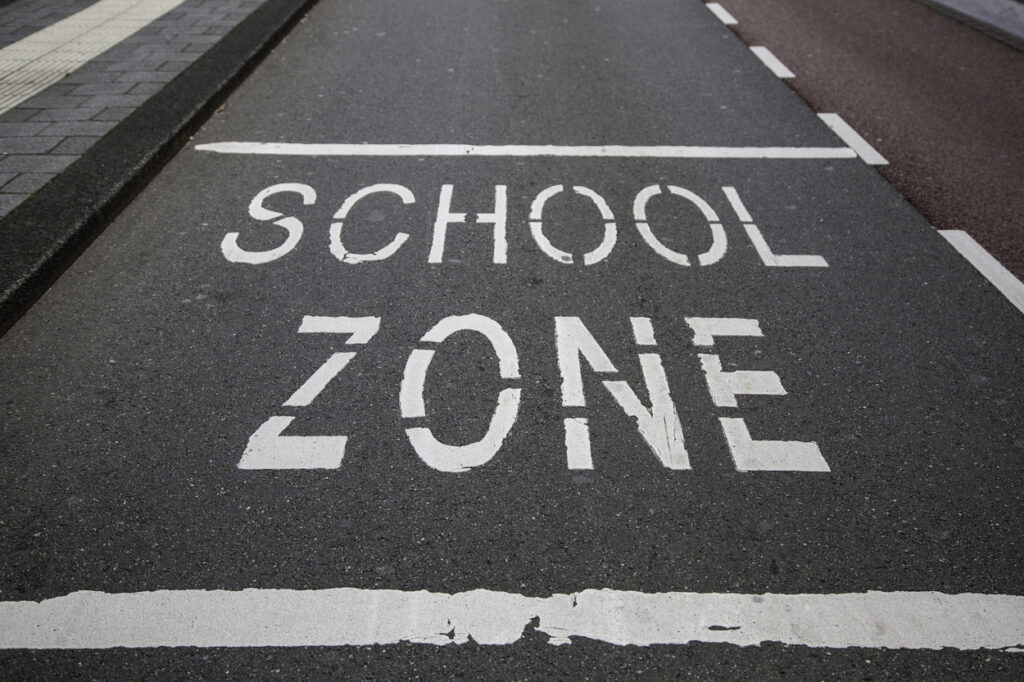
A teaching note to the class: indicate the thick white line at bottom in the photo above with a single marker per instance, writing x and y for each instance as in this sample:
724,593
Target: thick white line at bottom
350,616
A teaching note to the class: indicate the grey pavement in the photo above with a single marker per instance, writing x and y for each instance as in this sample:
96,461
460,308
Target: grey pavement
22,18
44,135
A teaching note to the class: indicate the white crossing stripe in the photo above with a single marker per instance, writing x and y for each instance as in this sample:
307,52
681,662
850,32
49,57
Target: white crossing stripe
849,136
36,62
993,270
722,14
359,617
772,62
607,151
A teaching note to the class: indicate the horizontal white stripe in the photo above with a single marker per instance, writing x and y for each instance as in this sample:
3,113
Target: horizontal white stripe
722,14
849,136
993,270
772,62
349,616
35,62
618,151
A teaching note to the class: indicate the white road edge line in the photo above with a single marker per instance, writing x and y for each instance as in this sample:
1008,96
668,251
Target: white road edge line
358,617
993,270
722,13
585,151
37,61
772,62
855,141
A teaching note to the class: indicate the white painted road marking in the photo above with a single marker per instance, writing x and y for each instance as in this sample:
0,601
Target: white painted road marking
659,425
722,14
360,617
857,143
445,217
525,150
36,62
993,270
768,257
772,62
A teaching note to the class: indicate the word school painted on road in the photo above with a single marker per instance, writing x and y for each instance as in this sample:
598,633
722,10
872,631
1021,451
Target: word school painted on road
233,249
657,422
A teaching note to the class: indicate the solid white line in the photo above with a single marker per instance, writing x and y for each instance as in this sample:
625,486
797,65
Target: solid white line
993,270
516,150
35,62
772,62
722,14
349,616
850,137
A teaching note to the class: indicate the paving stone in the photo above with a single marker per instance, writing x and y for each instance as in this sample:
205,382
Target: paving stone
145,76
21,129
9,201
143,65
69,128
113,114
83,76
35,163
61,88
115,101
146,89
80,114
102,89
19,115
46,101
28,145
28,183
75,145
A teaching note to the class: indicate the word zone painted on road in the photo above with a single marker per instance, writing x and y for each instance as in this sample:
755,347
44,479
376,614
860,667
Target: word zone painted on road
497,219
657,422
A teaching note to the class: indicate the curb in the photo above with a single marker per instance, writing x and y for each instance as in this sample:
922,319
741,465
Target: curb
44,235
978,20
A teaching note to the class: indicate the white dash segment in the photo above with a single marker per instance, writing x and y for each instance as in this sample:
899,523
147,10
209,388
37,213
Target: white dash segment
722,13
643,331
772,62
577,443
1001,278
582,151
37,61
850,136
361,617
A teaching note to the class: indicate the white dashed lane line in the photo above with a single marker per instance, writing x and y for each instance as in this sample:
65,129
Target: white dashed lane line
993,270
772,62
722,14
853,139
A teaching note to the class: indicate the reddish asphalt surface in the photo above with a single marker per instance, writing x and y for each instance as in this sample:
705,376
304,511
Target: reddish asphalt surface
940,100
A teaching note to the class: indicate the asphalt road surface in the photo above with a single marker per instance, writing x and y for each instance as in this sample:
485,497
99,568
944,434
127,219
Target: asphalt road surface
400,369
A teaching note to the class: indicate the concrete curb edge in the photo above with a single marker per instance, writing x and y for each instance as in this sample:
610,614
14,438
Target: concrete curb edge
44,235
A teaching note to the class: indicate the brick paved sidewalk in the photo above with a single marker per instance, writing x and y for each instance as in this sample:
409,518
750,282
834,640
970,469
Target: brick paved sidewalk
45,134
